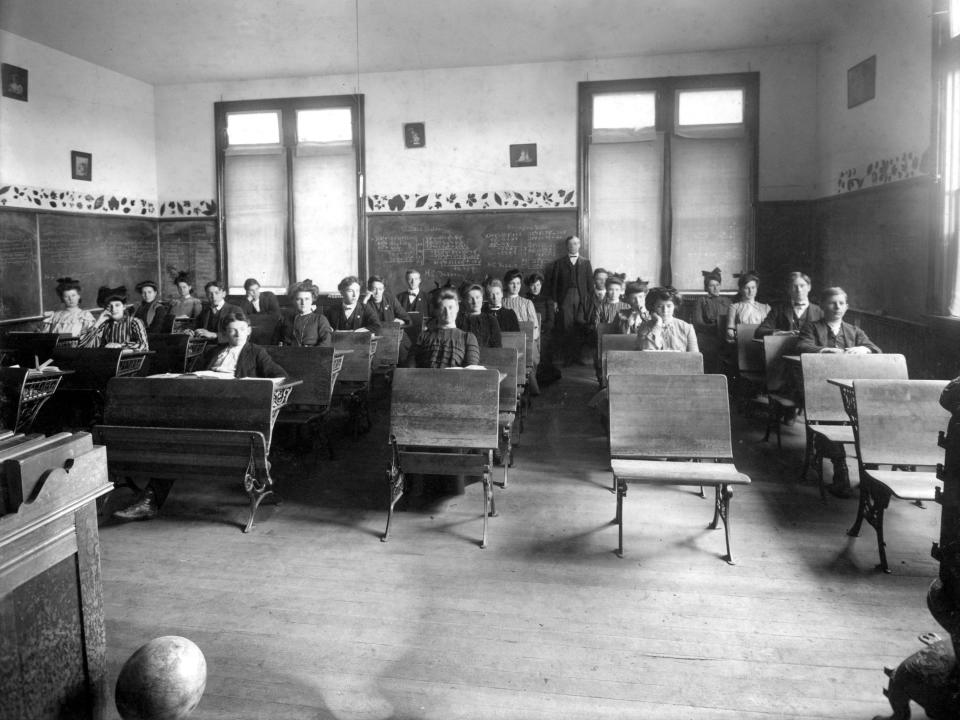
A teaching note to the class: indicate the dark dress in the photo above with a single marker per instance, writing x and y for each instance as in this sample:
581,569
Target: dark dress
446,347
484,327
153,315
303,330
506,318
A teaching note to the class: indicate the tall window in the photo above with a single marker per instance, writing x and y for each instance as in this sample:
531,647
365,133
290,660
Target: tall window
947,112
290,183
668,176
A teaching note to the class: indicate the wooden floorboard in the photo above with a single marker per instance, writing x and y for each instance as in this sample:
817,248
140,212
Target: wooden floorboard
311,616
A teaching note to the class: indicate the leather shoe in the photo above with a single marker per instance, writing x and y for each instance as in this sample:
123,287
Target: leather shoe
840,491
143,509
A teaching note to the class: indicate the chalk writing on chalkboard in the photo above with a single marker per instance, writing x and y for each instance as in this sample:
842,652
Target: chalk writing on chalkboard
466,245
19,266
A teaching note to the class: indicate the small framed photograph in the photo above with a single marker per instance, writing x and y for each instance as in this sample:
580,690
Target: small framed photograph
862,82
14,81
523,155
414,135
81,165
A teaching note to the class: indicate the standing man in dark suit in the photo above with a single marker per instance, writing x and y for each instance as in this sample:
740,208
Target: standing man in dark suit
570,287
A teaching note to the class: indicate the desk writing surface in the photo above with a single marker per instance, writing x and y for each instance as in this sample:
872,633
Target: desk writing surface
468,245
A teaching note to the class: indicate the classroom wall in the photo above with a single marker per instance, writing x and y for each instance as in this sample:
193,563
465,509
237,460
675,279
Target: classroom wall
884,139
76,105
472,115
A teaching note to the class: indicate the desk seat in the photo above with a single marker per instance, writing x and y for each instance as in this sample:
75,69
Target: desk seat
913,486
665,472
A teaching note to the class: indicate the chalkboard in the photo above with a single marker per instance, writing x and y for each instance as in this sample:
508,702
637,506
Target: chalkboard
19,266
462,246
96,251
188,246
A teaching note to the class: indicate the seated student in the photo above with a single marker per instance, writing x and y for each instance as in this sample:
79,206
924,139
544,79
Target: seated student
257,301
630,320
413,298
600,276
472,319
789,317
711,306
525,312
506,318
150,310
236,358
115,328
610,308
210,323
831,334
746,309
663,331
186,305
72,320
442,344
305,327
350,313
388,310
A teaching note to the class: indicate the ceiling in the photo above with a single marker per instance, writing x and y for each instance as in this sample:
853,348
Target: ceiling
180,41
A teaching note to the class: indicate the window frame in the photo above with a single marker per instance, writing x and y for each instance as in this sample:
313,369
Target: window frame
666,92
288,108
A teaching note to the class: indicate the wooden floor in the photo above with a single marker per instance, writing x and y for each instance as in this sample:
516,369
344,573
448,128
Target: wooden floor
311,616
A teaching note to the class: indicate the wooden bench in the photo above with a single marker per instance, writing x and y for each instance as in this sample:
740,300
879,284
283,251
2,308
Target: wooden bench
443,422
505,361
613,341
387,357
749,370
53,639
353,385
518,341
309,403
675,431
175,353
824,413
193,428
22,393
898,423
774,397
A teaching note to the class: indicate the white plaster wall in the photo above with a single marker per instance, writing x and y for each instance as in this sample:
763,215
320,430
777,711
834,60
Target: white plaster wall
897,120
75,105
472,115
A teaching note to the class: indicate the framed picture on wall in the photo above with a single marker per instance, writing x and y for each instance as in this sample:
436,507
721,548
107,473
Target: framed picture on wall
414,135
523,155
14,80
81,165
862,82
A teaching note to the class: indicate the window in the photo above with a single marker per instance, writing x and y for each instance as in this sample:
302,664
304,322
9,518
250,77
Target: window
668,176
289,177
946,62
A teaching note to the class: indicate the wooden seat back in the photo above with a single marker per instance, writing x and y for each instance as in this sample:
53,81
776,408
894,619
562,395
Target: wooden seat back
775,367
676,416
170,352
27,347
517,341
92,367
822,401
388,347
356,364
414,325
634,362
263,327
749,353
315,366
503,359
445,408
526,327
198,403
899,420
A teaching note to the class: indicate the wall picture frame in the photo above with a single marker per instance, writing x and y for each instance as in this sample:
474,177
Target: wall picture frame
414,135
523,155
14,81
81,165
862,82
